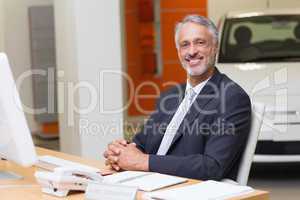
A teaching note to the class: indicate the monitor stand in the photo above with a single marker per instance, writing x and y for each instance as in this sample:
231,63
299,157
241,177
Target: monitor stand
7,175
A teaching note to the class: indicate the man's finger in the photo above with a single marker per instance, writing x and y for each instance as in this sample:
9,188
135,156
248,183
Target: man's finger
113,159
119,144
115,167
106,154
109,153
107,162
122,142
115,149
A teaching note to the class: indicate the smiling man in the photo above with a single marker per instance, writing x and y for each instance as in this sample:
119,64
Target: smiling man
199,129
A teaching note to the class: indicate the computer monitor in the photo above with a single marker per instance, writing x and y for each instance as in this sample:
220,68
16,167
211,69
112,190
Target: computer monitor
15,138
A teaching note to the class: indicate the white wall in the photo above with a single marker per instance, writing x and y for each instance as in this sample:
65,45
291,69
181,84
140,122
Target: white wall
15,42
1,26
88,41
66,52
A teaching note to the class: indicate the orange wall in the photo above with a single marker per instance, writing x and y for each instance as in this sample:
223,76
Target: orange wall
172,11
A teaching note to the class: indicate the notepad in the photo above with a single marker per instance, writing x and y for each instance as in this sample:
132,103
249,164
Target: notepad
146,181
206,190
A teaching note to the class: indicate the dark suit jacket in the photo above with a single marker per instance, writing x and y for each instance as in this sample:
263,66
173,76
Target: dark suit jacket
212,137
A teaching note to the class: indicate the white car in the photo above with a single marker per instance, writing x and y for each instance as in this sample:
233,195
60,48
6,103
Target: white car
260,50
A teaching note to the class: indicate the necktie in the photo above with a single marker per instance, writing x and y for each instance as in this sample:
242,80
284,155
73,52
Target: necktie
190,97
176,121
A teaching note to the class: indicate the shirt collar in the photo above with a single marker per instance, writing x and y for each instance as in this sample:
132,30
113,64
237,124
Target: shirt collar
197,88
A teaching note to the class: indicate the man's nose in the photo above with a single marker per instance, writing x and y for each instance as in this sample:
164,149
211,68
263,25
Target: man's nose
193,51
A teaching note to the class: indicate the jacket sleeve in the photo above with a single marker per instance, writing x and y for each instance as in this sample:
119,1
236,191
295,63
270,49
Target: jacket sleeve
222,150
141,137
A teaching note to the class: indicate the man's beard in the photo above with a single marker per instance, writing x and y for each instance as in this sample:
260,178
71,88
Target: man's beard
199,69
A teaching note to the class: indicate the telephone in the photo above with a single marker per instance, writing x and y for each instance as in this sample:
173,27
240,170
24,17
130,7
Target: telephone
63,179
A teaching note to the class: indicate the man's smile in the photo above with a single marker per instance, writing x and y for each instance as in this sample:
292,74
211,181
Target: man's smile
194,61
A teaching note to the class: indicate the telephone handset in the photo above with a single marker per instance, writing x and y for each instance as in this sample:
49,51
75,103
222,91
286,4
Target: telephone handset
63,179
80,173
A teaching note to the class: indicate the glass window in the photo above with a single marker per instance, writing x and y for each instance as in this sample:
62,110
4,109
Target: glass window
261,39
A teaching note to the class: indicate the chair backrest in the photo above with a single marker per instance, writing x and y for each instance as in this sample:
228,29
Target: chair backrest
258,110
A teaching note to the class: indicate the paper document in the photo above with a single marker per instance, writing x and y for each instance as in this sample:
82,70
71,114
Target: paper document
124,176
207,190
146,181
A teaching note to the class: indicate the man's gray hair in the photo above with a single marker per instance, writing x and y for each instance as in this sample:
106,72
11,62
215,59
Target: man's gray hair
197,19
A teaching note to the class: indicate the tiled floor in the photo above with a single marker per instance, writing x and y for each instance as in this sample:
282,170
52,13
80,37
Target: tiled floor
282,180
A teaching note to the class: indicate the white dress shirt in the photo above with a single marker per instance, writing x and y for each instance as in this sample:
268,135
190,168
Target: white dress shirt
191,94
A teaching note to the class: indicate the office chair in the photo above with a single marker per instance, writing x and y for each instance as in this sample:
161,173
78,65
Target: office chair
258,110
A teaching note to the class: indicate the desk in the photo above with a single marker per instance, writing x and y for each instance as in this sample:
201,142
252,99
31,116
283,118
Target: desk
28,188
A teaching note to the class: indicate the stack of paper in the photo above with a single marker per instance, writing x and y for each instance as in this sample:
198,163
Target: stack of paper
145,181
206,190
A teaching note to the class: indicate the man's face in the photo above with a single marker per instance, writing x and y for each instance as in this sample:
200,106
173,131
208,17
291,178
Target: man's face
196,49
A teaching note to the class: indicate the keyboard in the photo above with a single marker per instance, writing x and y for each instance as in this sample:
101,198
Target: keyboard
51,162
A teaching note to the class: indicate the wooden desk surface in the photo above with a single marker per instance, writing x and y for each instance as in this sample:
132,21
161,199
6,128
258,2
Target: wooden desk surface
28,188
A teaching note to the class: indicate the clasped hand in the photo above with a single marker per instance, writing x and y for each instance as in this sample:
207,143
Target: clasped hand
123,156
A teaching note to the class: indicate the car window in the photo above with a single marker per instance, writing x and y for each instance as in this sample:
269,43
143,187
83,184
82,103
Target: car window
261,39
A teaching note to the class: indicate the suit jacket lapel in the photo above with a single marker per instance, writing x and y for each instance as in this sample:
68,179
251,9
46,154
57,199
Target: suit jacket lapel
173,104
206,95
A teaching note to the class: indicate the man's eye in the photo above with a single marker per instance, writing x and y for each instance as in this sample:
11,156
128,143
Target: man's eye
184,45
200,42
